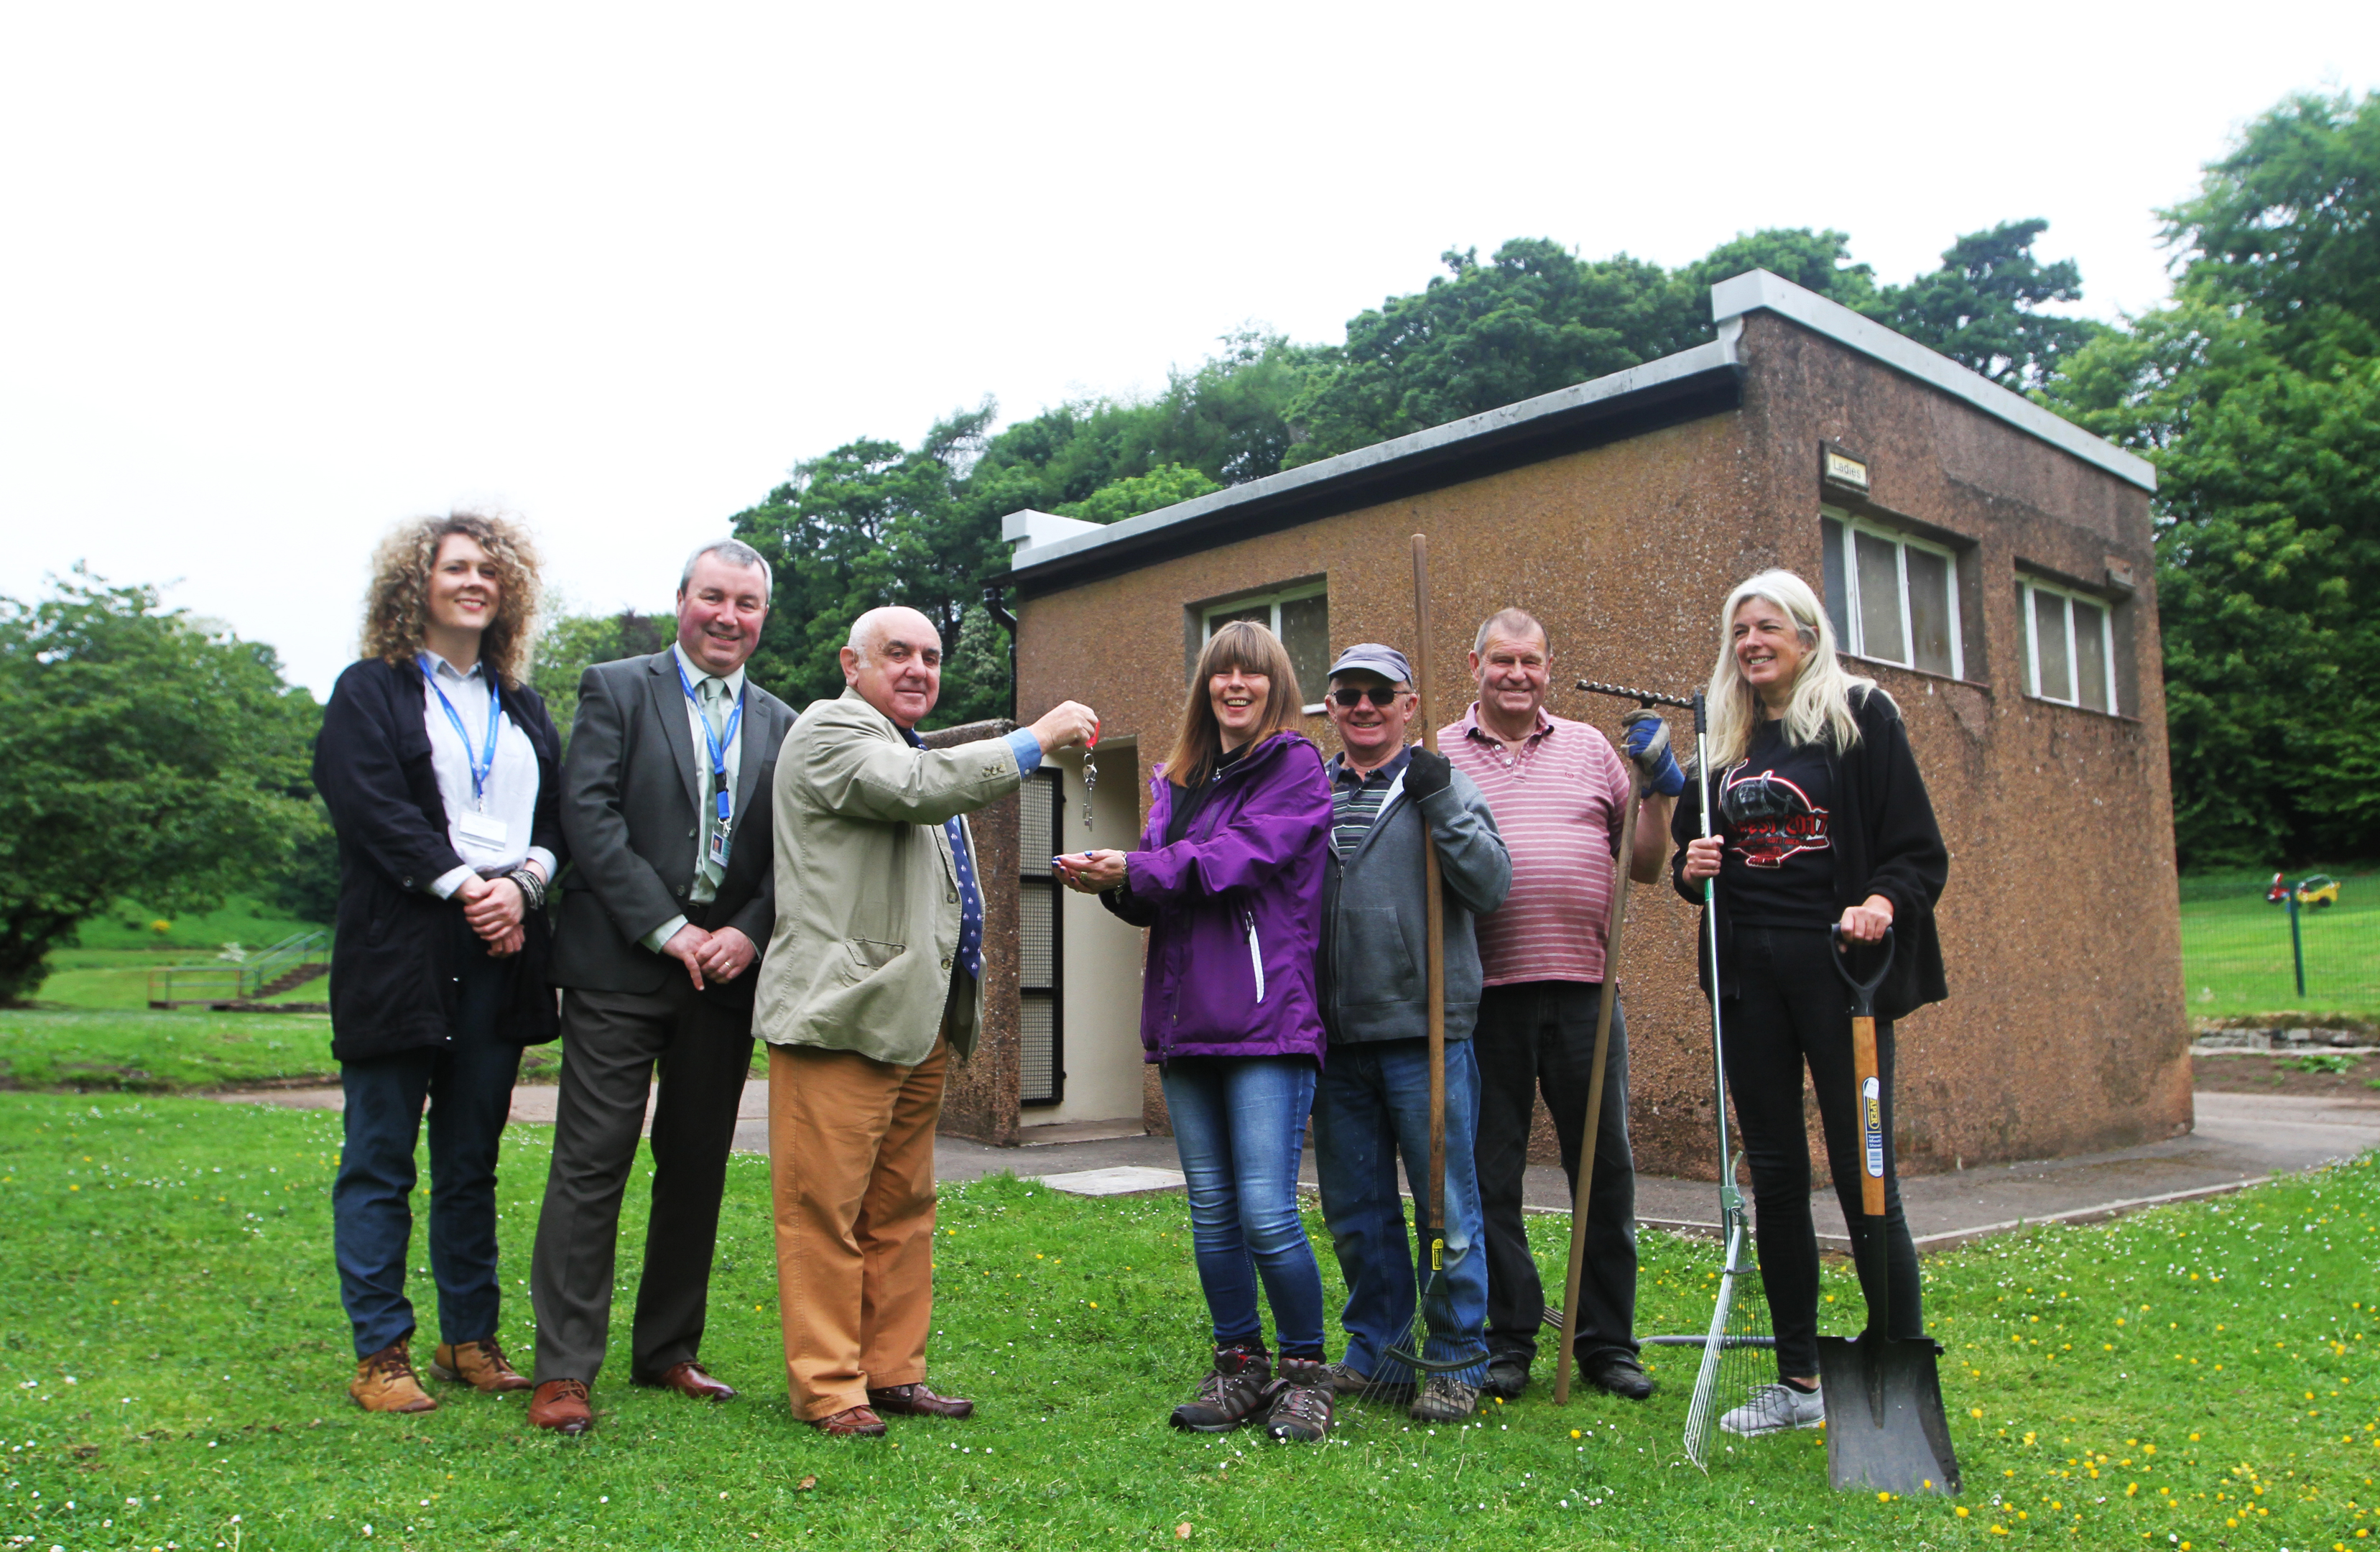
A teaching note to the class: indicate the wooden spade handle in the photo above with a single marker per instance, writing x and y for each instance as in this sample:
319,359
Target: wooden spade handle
1870,1093
1435,933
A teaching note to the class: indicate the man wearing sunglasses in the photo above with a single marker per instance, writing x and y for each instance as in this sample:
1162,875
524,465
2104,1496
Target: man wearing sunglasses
1372,1101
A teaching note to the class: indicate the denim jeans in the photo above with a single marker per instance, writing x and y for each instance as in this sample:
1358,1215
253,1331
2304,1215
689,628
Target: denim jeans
469,1085
1371,1106
1239,1123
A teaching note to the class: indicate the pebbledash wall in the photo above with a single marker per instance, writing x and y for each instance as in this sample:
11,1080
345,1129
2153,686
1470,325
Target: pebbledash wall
1620,512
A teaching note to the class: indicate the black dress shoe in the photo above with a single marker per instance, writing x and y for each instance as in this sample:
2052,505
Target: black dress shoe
915,1401
1618,1373
1508,1375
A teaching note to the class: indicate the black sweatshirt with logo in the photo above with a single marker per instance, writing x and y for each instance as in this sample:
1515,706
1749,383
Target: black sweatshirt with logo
1811,831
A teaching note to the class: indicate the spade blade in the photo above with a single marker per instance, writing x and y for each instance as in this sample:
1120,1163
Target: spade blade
1885,1429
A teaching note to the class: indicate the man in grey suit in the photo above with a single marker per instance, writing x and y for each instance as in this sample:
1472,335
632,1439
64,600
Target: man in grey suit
670,892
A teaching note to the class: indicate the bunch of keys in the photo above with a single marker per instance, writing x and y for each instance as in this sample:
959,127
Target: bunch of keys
1091,778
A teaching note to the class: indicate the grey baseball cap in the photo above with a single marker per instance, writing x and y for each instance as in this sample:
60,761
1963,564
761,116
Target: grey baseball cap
1371,658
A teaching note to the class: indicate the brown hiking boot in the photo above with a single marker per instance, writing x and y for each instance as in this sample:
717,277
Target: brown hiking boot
1301,1402
1232,1393
561,1405
481,1365
384,1382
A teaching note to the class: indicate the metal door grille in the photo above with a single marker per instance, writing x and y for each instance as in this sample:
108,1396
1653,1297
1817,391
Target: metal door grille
1040,818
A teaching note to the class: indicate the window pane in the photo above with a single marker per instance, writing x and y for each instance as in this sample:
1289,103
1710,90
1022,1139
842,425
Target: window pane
1932,612
1831,543
1879,588
1259,613
2049,646
2091,655
1305,631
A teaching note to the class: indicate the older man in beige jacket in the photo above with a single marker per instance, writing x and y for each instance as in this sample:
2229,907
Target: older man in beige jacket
871,981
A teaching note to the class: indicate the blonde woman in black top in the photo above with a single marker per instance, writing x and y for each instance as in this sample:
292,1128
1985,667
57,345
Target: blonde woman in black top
1821,823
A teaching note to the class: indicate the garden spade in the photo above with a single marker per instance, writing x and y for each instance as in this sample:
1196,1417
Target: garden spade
1885,1430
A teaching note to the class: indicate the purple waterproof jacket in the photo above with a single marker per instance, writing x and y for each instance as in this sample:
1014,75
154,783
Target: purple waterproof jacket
1234,910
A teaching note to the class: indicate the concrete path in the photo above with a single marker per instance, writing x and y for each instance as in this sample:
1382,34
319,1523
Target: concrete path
2239,1139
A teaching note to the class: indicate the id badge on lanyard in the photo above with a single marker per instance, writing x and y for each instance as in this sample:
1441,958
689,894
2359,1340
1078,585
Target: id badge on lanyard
723,822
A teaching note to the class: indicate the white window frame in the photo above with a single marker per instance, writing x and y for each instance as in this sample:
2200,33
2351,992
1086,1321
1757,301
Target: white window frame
1855,627
1272,602
2026,587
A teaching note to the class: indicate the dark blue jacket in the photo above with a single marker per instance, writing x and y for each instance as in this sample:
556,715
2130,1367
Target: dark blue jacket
392,983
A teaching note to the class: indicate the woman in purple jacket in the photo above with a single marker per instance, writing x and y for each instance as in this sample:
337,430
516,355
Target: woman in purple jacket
1229,881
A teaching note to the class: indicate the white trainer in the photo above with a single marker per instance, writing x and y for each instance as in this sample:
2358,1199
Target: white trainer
1773,1409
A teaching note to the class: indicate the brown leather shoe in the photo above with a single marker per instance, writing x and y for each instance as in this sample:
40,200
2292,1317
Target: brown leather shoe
561,1405
691,1378
386,1382
481,1365
915,1401
852,1422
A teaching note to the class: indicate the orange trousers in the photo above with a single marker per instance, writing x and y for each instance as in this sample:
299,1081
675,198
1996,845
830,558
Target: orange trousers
851,1174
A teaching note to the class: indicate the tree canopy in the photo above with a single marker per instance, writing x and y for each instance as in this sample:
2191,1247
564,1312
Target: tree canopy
875,521
142,753
2257,394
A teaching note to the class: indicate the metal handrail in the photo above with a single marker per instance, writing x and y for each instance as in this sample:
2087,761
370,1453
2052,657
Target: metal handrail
181,986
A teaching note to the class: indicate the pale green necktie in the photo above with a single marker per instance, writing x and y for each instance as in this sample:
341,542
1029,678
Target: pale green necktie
714,705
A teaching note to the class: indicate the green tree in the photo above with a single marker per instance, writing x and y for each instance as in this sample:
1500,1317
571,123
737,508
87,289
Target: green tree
1983,308
570,644
142,753
1161,486
2257,394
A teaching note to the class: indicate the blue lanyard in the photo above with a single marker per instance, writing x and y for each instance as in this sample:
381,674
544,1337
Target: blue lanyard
717,744
485,765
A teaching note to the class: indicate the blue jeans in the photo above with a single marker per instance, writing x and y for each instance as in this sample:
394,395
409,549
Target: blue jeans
1372,1104
1239,1123
469,1085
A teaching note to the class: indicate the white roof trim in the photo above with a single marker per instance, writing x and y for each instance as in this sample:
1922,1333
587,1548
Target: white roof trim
1748,293
1719,354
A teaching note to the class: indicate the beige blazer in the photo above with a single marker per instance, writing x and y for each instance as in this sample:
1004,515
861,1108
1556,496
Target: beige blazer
867,894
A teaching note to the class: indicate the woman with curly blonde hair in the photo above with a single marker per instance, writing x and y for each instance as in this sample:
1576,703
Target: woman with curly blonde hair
441,773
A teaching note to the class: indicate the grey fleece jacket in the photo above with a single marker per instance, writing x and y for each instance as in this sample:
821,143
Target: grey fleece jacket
1370,973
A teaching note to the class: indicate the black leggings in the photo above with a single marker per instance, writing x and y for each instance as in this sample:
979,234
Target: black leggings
1792,1007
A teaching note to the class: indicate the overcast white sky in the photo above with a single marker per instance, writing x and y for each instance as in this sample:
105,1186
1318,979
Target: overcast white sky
274,275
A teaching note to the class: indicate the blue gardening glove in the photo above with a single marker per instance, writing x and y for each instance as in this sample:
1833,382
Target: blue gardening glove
1646,742
1427,773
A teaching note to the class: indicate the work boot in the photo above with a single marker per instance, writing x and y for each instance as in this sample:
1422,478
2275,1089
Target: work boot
1444,1399
1772,1409
1301,1402
1231,1394
481,1365
386,1382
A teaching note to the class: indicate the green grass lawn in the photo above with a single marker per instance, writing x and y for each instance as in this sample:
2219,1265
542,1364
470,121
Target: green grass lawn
2236,956
173,1362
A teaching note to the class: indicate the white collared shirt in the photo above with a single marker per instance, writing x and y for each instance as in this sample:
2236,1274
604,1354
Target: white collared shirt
510,795
706,810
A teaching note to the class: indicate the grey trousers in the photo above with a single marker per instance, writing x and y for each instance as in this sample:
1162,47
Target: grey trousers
612,1044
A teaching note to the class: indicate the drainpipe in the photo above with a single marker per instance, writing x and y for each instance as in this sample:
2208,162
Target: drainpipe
992,592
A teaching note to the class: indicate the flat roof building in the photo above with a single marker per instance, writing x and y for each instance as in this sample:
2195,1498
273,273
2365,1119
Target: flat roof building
1986,561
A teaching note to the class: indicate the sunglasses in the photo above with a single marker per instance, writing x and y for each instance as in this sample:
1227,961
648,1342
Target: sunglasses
1356,695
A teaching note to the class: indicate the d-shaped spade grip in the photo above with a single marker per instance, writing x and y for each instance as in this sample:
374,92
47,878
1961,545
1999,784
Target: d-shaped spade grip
1863,1068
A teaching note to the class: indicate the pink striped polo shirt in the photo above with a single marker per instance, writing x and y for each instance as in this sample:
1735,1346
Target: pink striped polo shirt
1557,804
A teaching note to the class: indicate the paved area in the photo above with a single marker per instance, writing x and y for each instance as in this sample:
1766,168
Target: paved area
2239,1139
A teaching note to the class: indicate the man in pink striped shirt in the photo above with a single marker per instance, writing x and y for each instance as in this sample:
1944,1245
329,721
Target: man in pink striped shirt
1558,790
